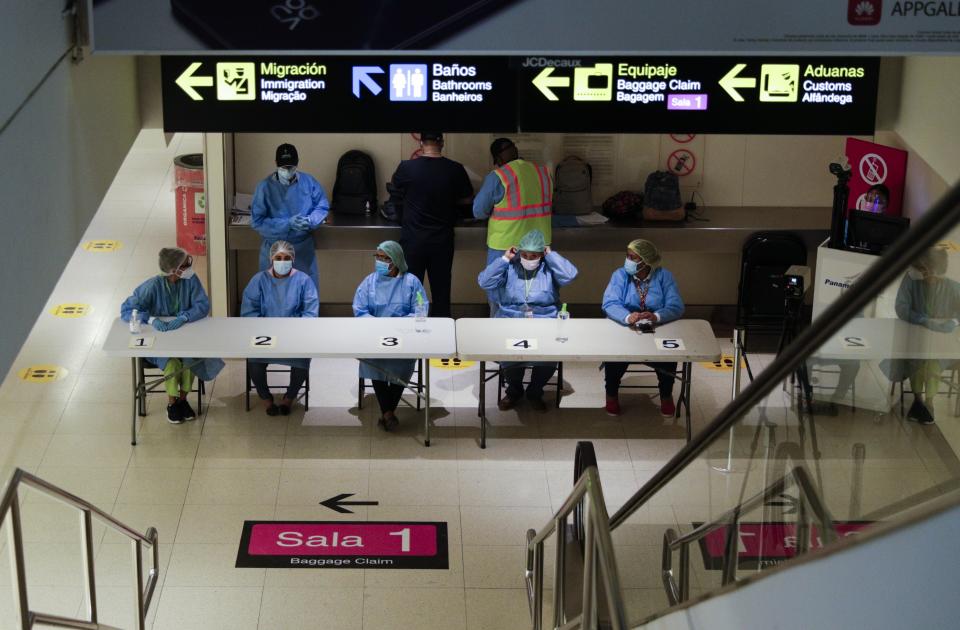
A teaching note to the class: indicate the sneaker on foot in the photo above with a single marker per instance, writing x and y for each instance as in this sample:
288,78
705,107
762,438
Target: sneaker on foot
508,402
174,414
667,408
186,410
613,406
919,413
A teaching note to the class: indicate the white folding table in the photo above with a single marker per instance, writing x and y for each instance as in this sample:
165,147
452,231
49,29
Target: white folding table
289,338
865,338
539,339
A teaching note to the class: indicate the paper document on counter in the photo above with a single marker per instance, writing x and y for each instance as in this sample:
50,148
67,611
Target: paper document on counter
594,218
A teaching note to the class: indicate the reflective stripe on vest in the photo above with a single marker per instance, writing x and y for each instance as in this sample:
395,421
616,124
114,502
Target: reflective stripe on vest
528,192
526,204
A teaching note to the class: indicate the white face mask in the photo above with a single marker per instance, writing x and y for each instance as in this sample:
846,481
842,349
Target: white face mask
530,265
187,273
282,267
285,174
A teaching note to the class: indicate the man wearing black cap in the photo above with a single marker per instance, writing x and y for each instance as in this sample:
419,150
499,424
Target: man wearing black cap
288,205
431,188
517,196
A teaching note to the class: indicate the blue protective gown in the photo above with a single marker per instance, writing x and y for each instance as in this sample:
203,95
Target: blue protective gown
919,302
663,297
383,296
515,288
157,297
274,204
292,296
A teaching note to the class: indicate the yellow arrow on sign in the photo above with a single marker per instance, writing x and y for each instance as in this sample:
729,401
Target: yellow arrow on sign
187,81
731,81
544,82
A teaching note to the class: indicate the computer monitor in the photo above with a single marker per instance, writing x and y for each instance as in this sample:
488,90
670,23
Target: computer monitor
872,233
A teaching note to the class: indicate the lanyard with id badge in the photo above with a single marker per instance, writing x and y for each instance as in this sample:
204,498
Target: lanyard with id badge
527,309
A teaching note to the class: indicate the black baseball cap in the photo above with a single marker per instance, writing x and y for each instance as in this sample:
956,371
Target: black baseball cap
287,155
499,145
431,136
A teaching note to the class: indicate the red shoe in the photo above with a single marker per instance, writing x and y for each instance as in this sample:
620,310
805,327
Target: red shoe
667,408
613,406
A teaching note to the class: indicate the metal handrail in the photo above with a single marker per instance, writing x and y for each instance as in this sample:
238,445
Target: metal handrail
10,507
731,519
598,551
925,233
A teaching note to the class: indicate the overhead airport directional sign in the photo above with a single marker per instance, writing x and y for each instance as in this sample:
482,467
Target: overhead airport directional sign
772,95
338,94
616,94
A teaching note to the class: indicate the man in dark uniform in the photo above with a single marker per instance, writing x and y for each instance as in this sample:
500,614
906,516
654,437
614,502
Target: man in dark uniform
432,189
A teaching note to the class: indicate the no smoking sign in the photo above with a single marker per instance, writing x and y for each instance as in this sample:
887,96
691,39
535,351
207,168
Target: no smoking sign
682,162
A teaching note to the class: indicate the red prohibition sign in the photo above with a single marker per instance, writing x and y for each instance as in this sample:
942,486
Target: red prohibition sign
681,162
683,138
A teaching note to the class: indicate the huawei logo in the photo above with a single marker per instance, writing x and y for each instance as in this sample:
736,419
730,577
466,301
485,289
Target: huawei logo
863,12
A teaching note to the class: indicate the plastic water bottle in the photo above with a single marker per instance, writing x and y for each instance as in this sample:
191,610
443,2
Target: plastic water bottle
562,317
420,313
135,322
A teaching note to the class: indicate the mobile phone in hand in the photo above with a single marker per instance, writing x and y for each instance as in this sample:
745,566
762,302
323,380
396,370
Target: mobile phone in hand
323,25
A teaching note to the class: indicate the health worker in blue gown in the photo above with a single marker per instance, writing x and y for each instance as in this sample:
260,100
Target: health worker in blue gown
176,296
390,291
526,282
289,205
642,292
280,291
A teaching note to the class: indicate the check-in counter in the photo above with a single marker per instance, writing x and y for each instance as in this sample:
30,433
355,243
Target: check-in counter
704,255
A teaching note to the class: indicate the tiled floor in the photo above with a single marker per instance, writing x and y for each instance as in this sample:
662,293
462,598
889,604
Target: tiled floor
198,482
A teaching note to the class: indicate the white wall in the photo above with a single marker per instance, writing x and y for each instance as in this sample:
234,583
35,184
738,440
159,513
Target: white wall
906,579
65,130
928,119
734,170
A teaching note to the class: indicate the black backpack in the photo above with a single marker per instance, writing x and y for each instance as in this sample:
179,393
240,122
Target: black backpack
572,187
662,191
355,189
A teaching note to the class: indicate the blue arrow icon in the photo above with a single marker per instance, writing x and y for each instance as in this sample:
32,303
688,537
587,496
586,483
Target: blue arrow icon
361,74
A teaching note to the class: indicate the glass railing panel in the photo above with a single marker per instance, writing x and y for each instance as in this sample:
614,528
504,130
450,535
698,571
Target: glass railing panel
862,430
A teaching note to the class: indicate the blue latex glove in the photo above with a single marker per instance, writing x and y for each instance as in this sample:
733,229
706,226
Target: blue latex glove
159,325
942,325
173,324
300,223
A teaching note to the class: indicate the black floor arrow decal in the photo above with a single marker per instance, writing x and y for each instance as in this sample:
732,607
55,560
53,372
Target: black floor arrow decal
336,503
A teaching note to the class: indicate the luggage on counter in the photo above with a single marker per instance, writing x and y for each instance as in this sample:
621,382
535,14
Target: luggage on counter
623,206
661,198
355,188
572,184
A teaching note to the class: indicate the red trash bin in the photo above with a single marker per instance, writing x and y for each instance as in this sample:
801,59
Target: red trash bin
191,204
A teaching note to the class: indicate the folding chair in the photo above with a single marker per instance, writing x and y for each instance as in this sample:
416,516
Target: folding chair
556,382
416,384
145,369
283,370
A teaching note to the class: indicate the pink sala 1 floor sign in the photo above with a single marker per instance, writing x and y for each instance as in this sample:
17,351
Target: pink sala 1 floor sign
343,544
